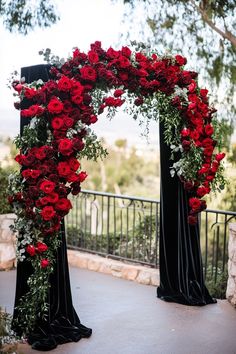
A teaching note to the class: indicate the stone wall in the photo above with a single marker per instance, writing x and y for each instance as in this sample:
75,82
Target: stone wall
140,274
7,242
231,285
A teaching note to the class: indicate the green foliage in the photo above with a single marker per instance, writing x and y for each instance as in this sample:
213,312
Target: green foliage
217,288
24,15
5,208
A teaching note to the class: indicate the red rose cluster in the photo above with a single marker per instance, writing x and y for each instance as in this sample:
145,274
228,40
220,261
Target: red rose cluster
66,102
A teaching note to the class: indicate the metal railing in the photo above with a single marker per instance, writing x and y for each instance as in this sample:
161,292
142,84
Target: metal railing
117,226
127,228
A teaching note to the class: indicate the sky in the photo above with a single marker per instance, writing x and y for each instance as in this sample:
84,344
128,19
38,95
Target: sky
82,23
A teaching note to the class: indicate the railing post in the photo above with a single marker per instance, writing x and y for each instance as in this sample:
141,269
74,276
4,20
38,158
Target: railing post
108,225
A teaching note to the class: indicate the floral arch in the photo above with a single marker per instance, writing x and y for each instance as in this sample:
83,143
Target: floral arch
61,112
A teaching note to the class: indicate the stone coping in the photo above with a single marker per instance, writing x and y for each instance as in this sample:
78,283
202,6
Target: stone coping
120,269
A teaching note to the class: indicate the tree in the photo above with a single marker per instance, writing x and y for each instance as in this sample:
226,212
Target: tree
24,15
203,31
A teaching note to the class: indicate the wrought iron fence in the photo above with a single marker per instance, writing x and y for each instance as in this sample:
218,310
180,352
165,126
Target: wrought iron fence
117,226
126,227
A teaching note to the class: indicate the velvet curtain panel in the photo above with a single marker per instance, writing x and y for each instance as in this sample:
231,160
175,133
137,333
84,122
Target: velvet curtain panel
181,271
63,324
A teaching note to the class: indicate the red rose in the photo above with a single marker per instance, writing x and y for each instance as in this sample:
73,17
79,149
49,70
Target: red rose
176,102
209,130
202,170
192,97
31,250
220,156
192,87
126,52
42,202
186,145
78,144
47,186
138,101
74,164
17,86
185,132
73,177
40,153
77,99
208,151
194,203
180,60
29,160
203,93
88,73
35,173
112,53
52,197
207,142
77,88
123,62
203,204
93,119
185,78
82,176
63,204
57,123
123,76
18,196
210,177
93,57
69,122
50,86
64,84
55,106
41,247
20,158
63,169
201,191
215,166
48,213
65,147
75,188
118,93
194,135
44,263
26,173
29,92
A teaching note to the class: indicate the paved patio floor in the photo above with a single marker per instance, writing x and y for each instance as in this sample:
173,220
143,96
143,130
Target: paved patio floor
127,318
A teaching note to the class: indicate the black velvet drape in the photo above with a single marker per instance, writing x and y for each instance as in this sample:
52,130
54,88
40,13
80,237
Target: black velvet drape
181,272
63,324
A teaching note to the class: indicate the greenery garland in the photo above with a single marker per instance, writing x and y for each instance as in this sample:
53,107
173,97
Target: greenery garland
62,111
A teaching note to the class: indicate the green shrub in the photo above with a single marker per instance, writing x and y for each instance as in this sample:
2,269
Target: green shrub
217,289
5,207
7,336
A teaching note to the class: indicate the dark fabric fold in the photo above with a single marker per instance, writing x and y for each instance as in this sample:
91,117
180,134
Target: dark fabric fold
63,324
181,270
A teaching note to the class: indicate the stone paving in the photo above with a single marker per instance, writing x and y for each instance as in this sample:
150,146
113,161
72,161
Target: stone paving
127,318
